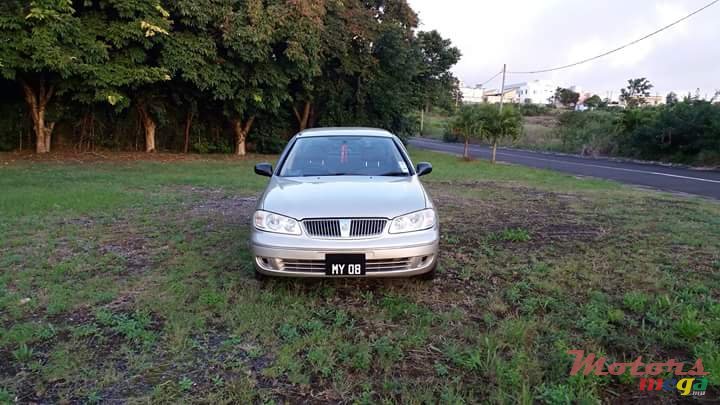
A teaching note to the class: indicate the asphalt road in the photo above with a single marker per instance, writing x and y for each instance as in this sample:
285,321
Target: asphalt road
675,179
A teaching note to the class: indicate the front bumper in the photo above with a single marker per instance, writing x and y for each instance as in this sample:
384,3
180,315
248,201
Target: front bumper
401,255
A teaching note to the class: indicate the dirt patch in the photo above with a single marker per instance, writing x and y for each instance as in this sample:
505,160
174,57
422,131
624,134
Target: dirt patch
213,202
546,217
527,225
134,251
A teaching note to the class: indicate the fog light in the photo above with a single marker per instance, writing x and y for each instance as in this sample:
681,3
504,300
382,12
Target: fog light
267,262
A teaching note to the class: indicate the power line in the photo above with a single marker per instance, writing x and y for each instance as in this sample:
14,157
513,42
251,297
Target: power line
496,75
623,46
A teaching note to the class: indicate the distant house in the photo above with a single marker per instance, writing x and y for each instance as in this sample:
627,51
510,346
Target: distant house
493,96
472,95
654,100
533,92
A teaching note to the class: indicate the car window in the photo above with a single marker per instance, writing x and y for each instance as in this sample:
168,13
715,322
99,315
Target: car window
344,156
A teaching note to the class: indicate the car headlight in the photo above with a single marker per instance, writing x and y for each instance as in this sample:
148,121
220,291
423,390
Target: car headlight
416,221
270,222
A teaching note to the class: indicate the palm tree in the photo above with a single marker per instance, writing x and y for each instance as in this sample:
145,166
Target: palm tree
503,124
470,122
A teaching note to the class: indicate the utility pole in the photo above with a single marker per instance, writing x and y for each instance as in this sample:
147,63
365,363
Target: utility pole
502,87
502,97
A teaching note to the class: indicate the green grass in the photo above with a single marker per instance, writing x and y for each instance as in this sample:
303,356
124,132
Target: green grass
435,125
132,281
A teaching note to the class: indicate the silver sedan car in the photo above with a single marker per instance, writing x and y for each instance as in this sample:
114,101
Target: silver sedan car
345,202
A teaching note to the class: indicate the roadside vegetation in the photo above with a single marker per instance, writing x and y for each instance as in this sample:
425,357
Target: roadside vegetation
683,132
486,122
128,278
686,132
679,131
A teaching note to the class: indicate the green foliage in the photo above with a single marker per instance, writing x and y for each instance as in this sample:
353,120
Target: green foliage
589,132
23,354
566,97
472,121
682,132
505,124
686,132
436,84
13,128
533,110
634,94
185,383
199,67
5,396
593,101
635,301
486,121
514,235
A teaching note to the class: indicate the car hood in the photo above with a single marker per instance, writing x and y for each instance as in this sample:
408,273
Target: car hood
343,197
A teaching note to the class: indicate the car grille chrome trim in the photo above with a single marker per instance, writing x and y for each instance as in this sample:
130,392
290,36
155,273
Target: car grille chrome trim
331,228
318,266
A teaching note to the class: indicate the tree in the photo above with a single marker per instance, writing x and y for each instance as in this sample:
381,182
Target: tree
90,52
636,91
505,123
237,52
107,65
436,85
715,96
42,46
566,97
131,31
671,98
470,122
307,50
593,102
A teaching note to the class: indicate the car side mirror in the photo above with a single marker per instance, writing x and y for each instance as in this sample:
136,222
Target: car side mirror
423,168
264,169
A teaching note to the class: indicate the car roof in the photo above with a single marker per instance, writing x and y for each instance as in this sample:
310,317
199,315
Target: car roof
345,131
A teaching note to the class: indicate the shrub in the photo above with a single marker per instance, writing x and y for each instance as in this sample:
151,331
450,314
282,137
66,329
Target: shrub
532,110
589,132
686,132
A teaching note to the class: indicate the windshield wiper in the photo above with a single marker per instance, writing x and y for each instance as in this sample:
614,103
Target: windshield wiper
327,174
394,174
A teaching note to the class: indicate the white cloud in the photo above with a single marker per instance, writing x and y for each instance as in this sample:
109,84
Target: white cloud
534,34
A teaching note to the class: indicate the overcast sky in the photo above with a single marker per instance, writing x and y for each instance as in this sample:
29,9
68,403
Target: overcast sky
535,34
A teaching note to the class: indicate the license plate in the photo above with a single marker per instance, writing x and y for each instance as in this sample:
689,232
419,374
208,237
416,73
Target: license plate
347,265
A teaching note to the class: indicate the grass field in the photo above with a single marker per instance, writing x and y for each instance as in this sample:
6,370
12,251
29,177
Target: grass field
124,280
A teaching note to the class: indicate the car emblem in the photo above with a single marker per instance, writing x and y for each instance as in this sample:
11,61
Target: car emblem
344,228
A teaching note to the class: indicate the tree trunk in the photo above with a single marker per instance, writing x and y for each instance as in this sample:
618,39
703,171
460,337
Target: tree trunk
241,132
188,123
422,120
304,119
37,100
149,126
494,151
466,154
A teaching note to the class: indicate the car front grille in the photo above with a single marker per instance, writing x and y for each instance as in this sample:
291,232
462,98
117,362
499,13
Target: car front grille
366,227
318,266
333,228
326,228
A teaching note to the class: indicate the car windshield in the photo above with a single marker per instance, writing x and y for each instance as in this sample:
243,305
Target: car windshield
345,156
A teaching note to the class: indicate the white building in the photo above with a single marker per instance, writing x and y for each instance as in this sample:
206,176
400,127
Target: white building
471,95
533,92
